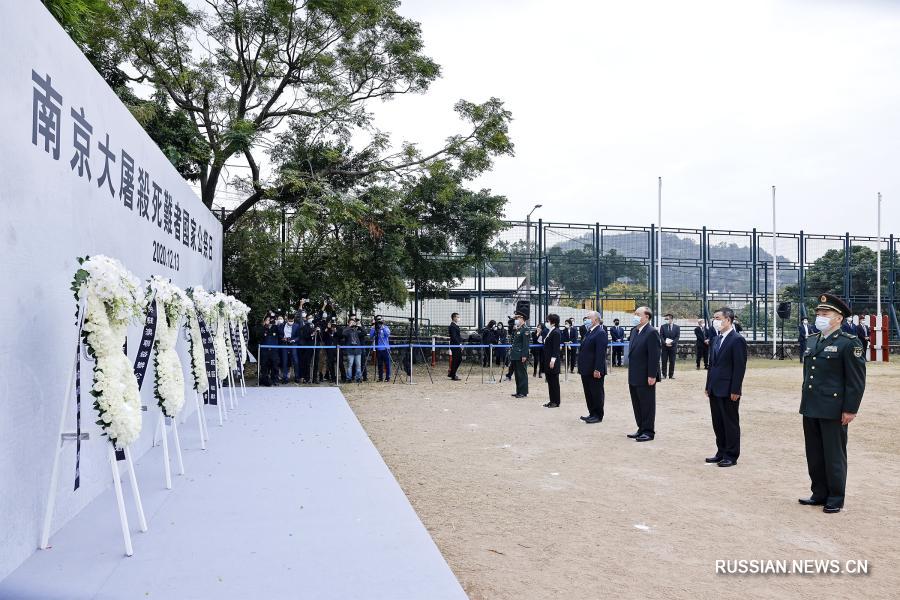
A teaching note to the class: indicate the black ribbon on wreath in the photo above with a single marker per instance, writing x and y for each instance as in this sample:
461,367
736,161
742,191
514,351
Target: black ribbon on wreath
209,352
236,346
78,409
146,346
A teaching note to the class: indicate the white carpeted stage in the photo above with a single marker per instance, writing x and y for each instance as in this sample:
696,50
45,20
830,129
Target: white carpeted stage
290,500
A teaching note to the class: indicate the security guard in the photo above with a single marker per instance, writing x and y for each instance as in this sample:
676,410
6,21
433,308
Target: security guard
518,354
834,379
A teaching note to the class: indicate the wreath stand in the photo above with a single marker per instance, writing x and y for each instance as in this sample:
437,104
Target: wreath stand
162,426
65,436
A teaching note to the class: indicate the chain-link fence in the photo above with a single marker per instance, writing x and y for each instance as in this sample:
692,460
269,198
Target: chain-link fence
567,268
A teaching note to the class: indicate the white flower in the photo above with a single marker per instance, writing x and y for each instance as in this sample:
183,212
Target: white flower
172,305
112,297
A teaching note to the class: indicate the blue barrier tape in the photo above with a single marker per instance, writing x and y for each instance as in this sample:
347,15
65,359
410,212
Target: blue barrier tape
436,346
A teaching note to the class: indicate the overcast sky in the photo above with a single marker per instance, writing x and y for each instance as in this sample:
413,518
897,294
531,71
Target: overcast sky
721,99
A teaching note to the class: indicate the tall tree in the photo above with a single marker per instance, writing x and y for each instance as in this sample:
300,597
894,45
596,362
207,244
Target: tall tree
240,68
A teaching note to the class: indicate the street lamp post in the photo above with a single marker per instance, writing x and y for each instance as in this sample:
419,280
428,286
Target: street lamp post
528,247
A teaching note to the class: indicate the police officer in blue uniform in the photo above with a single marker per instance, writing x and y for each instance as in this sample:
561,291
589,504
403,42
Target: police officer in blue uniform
834,379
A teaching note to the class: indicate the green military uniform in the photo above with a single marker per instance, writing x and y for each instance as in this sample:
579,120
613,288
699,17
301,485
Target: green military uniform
518,350
834,379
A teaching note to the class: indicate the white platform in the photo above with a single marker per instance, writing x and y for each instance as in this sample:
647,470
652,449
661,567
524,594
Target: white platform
290,500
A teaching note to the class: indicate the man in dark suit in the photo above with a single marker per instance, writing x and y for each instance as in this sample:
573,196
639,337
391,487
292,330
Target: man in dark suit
862,331
804,330
571,336
592,367
617,336
728,363
289,332
669,334
701,346
834,380
643,373
550,356
455,340
849,326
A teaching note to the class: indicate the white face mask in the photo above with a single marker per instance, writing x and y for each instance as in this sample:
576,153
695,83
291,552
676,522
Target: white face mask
822,323
587,323
717,324
279,321
519,322
635,320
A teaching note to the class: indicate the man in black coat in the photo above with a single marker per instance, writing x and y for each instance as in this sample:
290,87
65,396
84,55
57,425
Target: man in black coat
724,380
669,334
551,358
804,330
570,335
701,345
592,367
455,340
617,336
269,361
862,331
643,373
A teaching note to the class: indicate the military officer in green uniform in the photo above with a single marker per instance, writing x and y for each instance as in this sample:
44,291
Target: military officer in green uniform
518,354
834,379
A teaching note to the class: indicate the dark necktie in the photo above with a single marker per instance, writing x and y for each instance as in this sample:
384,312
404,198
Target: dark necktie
719,339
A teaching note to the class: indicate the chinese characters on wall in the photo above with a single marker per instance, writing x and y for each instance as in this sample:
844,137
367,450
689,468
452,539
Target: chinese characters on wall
137,191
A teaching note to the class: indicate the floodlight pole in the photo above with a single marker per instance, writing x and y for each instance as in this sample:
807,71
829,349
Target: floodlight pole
878,333
659,252
774,279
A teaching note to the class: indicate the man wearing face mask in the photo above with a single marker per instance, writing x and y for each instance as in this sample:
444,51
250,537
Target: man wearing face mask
551,358
670,332
727,365
592,367
518,353
456,341
804,330
643,373
834,380
617,336
701,346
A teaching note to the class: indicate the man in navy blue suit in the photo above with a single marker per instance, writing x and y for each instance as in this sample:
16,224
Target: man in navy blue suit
617,335
643,373
727,365
592,366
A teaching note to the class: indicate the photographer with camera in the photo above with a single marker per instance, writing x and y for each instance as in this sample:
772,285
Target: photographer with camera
269,359
353,356
329,338
488,338
380,334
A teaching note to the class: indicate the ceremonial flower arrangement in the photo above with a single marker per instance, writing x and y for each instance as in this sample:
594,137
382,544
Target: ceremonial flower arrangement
242,311
212,309
228,321
112,297
198,356
172,306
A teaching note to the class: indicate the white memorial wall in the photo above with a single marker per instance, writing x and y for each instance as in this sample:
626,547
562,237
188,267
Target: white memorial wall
78,176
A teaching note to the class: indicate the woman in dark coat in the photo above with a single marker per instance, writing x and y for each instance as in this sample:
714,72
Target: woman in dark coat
551,360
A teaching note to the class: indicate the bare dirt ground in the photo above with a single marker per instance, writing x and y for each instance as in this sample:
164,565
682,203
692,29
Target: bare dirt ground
527,502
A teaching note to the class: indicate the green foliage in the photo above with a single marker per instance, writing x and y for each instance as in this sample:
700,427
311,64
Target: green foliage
315,66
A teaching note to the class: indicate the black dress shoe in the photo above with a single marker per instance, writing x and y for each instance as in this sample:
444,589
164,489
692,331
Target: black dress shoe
456,379
551,405
634,435
593,420
831,509
726,462
521,395
643,438
515,395
586,418
713,459
811,502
